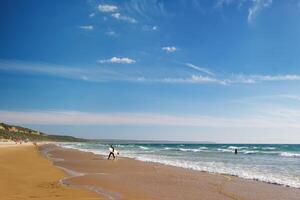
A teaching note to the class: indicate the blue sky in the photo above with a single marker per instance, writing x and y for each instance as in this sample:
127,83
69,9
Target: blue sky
217,70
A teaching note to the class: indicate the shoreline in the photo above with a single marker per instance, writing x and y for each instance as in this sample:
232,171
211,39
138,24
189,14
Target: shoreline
221,186
200,168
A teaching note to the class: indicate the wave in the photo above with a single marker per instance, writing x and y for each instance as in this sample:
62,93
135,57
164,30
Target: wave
250,152
225,150
191,150
168,148
220,168
287,154
214,165
269,148
234,147
142,147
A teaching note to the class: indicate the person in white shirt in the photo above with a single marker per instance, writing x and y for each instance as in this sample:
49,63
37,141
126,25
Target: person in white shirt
111,152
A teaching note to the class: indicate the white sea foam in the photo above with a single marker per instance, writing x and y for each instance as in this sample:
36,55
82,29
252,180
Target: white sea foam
191,150
234,147
142,147
269,148
225,150
287,154
221,168
249,170
250,152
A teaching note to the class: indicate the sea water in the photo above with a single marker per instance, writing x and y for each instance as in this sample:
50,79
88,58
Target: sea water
272,163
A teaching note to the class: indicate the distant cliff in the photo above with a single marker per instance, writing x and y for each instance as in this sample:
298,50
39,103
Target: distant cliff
11,132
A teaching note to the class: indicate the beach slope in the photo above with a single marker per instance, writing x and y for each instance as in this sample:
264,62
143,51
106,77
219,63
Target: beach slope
25,174
125,178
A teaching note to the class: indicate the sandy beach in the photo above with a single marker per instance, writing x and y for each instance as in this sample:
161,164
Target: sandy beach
51,172
126,178
25,174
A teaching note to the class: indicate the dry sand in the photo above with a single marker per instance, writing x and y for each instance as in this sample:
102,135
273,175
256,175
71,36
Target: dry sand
25,174
125,178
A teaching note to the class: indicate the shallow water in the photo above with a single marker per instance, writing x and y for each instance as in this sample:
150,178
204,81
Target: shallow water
277,163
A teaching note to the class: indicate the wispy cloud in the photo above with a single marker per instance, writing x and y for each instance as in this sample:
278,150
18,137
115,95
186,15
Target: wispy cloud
146,8
158,119
200,69
119,16
87,28
254,6
107,8
90,74
118,60
149,28
111,33
290,96
192,79
222,3
233,79
289,77
240,78
92,15
257,6
169,49
96,74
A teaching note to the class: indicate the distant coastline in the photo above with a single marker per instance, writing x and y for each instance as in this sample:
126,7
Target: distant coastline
19,134
123,141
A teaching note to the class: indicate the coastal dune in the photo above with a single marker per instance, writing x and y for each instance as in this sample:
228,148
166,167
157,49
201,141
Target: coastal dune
25,174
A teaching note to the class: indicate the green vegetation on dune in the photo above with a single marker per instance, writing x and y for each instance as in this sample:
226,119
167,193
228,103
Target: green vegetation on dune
11,132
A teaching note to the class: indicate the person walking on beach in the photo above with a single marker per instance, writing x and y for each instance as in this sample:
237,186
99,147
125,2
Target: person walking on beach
111,152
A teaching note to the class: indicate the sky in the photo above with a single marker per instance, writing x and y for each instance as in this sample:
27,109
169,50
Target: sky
226,71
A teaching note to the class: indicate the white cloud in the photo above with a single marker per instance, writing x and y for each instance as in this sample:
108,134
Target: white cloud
192,79
90,74
289,77
118,16
257,6
254,6
107,8
264,100
96,74
289,96
234,79
92,15
149,28
158,119
118,60
199,79
88,28
155,28
261,78
111,33
200,69
169,49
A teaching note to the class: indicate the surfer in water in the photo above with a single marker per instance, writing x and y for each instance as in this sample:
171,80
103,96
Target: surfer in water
111,152
235,151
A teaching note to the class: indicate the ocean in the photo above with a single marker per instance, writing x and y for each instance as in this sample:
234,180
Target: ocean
272,163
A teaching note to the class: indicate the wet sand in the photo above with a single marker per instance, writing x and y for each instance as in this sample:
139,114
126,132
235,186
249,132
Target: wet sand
25,174
126,178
